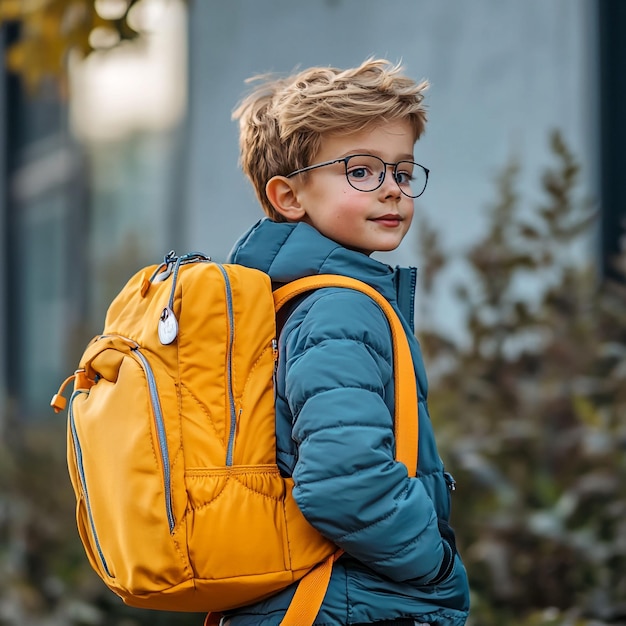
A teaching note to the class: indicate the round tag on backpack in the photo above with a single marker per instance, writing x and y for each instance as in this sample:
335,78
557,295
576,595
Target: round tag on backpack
168,326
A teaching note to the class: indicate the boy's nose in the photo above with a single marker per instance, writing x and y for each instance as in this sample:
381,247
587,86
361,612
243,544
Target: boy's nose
389,185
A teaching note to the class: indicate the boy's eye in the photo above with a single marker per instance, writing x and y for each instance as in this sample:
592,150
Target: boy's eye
404,177
359,172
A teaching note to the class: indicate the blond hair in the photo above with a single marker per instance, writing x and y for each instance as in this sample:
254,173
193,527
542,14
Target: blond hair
282,121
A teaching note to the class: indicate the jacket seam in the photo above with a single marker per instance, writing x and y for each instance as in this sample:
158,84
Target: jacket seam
360,342
405,548
376,523
355,473
343,388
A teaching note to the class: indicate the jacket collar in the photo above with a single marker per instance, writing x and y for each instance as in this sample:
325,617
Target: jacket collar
287,251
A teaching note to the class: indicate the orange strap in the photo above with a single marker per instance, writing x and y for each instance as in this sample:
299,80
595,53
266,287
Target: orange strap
307,600
311,590
405,412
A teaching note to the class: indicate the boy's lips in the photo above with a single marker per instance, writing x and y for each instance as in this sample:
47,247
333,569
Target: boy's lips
391,219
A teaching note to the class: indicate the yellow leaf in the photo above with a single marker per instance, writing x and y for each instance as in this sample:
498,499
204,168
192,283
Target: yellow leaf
16,57
586,411
50,26
10,9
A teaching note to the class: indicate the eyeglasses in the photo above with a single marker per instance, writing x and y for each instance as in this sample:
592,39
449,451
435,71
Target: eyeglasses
366,172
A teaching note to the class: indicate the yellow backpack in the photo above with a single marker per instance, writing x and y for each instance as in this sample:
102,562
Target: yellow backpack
171,443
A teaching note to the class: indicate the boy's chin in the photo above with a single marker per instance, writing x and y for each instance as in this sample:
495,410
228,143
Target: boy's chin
370,252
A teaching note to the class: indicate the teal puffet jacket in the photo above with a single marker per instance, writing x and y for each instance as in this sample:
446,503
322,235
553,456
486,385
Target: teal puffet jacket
334,430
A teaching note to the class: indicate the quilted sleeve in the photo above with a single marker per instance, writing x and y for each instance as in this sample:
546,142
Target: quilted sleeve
347,483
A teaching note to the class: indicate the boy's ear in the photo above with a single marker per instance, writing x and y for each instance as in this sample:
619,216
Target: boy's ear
282,193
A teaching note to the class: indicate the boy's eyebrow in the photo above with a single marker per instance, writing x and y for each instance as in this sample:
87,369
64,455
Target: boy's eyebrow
407,156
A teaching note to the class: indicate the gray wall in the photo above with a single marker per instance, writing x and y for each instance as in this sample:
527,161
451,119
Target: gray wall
504,73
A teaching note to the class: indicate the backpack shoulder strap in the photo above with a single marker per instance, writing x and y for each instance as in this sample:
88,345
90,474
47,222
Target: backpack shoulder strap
310,592
406,404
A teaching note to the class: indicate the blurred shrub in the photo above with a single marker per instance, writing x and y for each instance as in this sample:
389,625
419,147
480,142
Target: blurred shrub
531,412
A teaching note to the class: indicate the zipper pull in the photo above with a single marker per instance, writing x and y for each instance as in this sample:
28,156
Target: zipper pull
450,481
82,381
167,327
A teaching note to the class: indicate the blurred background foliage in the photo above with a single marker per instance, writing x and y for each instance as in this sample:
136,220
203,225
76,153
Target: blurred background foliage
530,410
530,413
53,30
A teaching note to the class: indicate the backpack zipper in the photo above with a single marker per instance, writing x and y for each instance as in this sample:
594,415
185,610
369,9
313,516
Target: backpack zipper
81,472
159,422
160,426
166,315
229,358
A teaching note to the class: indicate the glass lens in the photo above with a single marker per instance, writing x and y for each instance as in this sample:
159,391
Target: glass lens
366,173
411,178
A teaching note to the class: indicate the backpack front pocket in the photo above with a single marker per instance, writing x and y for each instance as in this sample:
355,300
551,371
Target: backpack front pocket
124,462
243,506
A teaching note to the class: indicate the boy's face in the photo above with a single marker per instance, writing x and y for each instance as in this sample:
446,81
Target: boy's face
364,221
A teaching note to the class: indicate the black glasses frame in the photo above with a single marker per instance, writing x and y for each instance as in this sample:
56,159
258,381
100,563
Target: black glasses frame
345,160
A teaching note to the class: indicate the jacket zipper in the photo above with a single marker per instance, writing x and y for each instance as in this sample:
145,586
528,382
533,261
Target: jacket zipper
229,358
450,482
81,472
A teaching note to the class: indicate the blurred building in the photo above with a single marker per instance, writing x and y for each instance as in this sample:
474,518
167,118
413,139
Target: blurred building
144,156
612,71
43,195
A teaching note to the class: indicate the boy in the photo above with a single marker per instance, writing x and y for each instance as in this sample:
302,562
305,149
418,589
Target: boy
330,155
